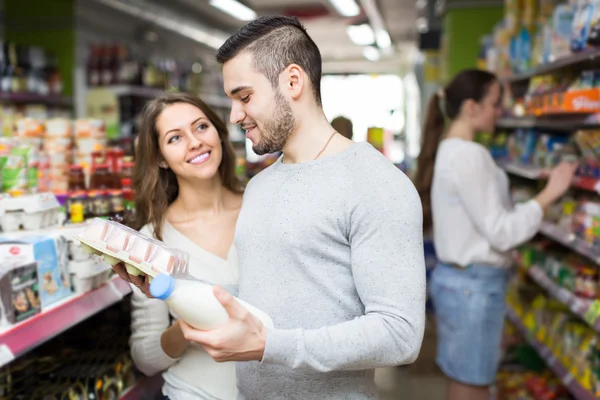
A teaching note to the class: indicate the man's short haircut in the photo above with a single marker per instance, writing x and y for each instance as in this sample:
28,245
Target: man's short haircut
275,42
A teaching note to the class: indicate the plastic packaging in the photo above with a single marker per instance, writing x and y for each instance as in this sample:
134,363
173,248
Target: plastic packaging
141,254
32,212
194,302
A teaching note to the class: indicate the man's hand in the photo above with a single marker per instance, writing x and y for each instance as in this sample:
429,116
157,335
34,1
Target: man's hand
141,282
242,338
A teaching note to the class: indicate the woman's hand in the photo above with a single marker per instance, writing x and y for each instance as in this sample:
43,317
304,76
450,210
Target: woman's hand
141,281
559,181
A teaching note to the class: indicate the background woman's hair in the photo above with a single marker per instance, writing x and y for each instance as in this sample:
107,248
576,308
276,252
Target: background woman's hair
344,126
156,188
470,84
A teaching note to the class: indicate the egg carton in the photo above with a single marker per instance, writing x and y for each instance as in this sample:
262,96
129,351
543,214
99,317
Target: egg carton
140,254
32,212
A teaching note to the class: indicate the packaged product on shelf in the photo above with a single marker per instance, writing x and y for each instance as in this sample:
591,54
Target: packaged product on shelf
141,254
50,253
582,20
19,295
14,175
32,212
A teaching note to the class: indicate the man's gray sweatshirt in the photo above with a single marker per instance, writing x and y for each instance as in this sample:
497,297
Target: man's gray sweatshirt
332,250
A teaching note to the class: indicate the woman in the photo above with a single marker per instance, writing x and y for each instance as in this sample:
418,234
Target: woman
475,225
189,197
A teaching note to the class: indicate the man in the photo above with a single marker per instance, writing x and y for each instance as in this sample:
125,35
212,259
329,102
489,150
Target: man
329,237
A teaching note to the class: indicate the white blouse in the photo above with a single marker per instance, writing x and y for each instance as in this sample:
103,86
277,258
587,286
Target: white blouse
195,375
474,218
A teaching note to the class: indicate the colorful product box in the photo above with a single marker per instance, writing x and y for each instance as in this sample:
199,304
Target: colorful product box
50,254
19,295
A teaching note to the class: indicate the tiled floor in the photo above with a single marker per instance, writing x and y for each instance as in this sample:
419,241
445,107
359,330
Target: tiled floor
419,381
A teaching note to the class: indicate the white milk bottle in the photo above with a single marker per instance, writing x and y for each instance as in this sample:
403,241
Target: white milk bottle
195,303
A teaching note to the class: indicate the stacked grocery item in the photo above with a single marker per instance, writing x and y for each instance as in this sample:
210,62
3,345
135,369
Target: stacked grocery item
567,93
37,155
523,375
28,69
568,270
571,342
115,64
91,361
538,32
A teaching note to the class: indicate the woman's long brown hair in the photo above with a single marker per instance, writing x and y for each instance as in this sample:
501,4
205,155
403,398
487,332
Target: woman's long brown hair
469,84
156,188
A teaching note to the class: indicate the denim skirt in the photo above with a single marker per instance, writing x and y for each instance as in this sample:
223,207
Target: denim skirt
470,308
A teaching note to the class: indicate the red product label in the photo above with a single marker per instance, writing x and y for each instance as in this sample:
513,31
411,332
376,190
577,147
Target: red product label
15,251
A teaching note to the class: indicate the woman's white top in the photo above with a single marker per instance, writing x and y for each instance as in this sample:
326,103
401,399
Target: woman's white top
195,375
474,218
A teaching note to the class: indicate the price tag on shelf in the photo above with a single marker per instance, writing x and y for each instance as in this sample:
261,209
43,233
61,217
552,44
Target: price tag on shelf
6,355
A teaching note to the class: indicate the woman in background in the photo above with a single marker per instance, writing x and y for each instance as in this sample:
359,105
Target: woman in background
466,197
188,196
343,126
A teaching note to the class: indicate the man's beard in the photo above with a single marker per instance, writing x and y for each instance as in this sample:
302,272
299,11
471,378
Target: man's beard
278,129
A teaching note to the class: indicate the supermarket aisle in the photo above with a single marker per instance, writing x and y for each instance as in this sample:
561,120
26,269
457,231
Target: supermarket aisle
419,381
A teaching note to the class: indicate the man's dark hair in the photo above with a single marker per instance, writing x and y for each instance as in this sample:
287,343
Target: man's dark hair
276,42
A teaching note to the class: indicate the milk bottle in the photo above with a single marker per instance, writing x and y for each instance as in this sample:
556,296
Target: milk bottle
194,302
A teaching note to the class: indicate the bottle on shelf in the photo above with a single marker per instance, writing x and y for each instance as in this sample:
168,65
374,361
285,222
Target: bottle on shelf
76,178
93,64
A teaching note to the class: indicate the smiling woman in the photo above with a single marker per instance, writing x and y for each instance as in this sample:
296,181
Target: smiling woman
172,146
189,197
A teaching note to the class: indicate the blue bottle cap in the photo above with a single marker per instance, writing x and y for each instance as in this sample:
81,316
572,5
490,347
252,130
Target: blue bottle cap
162,286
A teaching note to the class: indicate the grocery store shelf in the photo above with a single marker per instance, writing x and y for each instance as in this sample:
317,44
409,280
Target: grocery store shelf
32,332
516,122
145,389
571,241
523,171
578,306
32,98
555,365
569,61
529,172
556,123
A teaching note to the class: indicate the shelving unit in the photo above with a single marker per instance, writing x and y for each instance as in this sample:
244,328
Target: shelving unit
569,240
570,61
560,370
32,98
30,333
534,173
524,171
577,305
564,123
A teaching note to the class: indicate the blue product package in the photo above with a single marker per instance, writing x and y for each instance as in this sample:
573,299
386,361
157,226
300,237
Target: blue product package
53,274
529,147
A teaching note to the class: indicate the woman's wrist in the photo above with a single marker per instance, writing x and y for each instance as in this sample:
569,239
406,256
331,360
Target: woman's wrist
173,342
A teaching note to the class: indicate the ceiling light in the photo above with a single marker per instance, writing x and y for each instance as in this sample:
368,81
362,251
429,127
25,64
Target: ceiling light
371,53
346,8
383,39
361,35
235,9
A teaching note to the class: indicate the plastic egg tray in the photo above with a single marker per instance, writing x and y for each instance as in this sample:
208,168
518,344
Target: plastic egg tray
140,254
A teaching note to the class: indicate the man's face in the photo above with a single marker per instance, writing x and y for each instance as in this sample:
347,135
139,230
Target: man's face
263,112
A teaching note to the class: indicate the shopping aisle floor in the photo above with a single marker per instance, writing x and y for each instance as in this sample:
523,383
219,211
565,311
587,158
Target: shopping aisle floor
419,381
